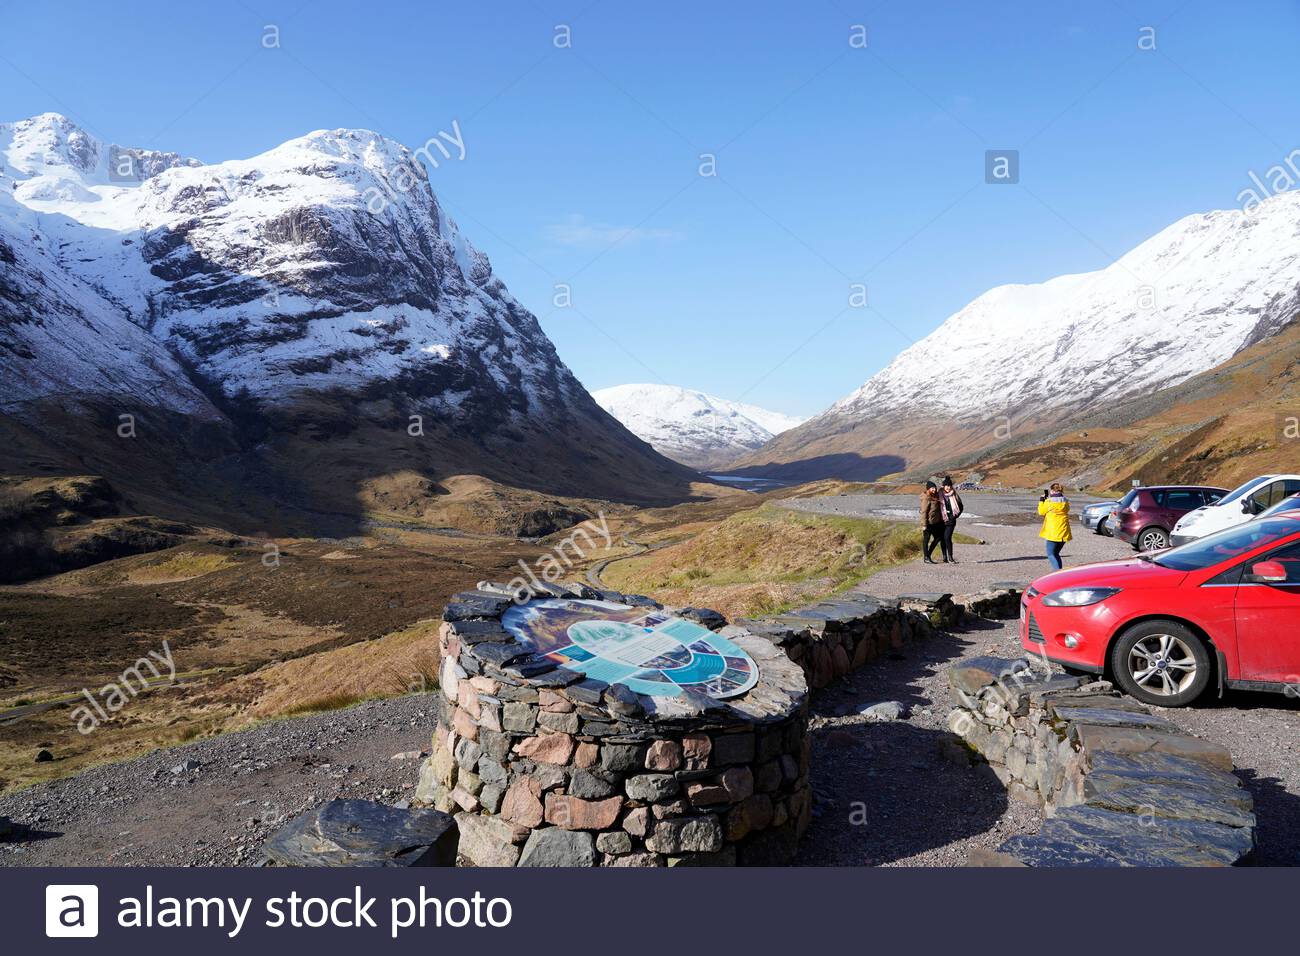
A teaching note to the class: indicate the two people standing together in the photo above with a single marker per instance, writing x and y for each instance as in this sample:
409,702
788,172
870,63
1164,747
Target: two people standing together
941,506
940,509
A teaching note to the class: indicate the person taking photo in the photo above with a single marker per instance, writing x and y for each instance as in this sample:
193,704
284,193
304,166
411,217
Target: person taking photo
1055,509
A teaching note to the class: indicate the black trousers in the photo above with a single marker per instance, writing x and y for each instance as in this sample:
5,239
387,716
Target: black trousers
948,528
931,538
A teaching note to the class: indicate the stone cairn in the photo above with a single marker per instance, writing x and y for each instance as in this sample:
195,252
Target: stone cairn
1120,786
542,766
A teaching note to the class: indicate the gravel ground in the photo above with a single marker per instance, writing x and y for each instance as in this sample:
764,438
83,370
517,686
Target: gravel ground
905,792
1263,733
151,811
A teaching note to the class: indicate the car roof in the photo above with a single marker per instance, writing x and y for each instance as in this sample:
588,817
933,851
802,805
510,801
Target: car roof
1177,487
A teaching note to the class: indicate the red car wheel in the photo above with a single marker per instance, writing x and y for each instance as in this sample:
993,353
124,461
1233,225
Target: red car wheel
1162,663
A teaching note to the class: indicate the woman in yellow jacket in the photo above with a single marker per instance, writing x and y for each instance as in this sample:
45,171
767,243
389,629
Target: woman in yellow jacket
1055,509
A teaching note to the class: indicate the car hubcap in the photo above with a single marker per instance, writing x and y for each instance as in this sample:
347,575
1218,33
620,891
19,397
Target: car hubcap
1162,664
1153,541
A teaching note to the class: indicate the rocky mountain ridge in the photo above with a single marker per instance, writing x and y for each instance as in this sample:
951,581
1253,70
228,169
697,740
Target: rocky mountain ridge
296,326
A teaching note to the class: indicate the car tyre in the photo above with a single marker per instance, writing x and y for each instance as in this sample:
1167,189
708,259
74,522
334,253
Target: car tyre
1102,529
1136,663
1152,539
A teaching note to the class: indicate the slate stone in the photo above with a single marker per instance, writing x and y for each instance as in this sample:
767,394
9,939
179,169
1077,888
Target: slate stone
472,604
1180,800
1108,701
979,672
703,616
529,667
555,846
1088,836
1155,767
499,654
587,691
602,728
1128,740
1015,696
365,833
477,631
1108,717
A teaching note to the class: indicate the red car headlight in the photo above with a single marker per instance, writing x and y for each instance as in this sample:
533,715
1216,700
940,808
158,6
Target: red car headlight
1078,597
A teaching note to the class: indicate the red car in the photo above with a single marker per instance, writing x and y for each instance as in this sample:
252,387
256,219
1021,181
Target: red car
1145,516
1221,610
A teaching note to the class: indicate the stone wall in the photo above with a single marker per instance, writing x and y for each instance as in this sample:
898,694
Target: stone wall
830,638
543,767
1120,786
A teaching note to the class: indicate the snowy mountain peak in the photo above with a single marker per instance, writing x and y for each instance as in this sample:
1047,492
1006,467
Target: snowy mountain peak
1180,303
689,426
1183,301
52,148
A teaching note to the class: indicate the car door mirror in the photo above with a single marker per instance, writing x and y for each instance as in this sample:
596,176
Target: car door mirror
1245,506
1267,572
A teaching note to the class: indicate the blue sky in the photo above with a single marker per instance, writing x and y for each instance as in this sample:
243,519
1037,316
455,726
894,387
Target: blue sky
835,164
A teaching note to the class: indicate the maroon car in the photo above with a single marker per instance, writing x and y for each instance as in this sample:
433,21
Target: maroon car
1145,516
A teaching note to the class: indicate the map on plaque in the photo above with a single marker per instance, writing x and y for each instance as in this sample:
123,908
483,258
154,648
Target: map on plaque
647,650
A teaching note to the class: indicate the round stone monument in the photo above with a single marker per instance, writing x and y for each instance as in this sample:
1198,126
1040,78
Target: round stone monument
583,728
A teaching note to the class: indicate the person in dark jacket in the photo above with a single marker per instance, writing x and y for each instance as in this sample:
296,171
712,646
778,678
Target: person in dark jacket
931,521
951,507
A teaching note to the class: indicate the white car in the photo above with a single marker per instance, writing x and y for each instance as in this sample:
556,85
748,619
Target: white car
1239,505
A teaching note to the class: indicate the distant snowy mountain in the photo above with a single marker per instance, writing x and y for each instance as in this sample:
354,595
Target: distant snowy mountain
313,294
691,427
1182,302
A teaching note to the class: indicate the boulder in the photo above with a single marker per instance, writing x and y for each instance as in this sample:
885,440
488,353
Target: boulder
365,833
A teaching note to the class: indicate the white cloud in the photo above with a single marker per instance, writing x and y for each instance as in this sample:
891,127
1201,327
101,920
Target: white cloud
577,230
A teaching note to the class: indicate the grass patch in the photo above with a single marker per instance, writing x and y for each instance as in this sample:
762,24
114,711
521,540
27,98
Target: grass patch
325,702
180,567
768,559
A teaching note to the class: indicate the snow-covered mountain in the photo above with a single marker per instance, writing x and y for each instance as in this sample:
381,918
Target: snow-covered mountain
691,427
313,291
1182,302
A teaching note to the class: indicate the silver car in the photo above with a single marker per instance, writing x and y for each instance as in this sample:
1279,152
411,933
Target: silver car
1096,516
